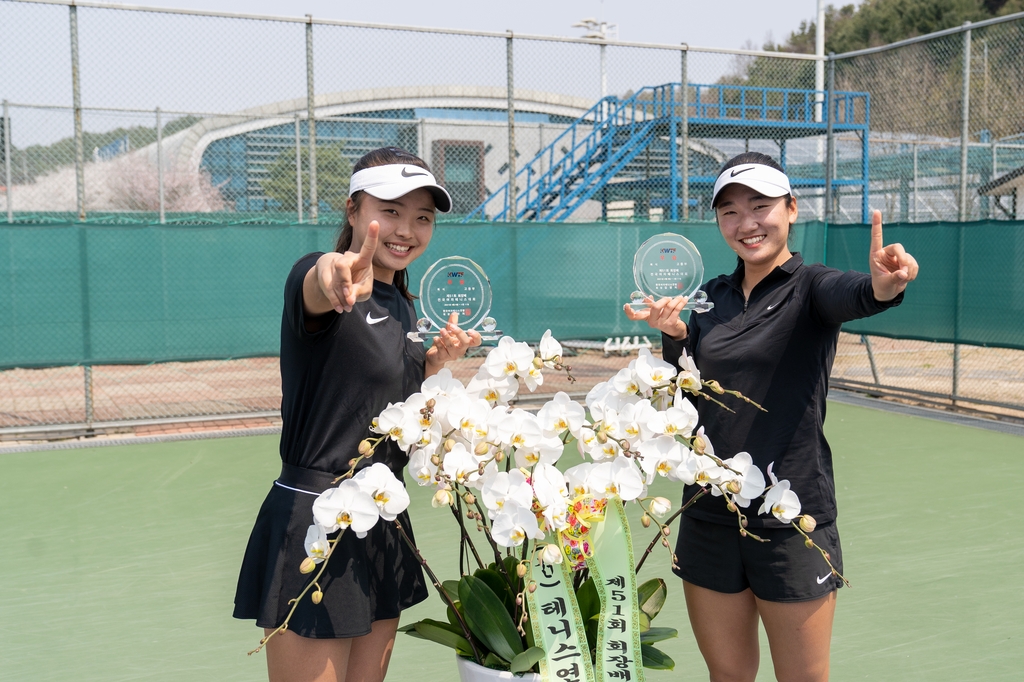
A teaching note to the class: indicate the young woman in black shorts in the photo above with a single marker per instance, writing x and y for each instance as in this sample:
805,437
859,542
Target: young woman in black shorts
344,357
771,335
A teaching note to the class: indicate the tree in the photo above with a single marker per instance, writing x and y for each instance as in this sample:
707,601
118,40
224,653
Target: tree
333,170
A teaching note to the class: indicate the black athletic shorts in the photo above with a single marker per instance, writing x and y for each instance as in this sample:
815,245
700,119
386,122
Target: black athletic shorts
717,557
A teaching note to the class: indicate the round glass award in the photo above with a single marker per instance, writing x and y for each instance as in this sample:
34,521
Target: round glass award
669,265
455,284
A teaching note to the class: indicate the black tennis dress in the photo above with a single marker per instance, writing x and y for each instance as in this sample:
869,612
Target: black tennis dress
334,380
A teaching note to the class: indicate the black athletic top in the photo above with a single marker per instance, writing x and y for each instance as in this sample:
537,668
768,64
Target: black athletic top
337,379
777,349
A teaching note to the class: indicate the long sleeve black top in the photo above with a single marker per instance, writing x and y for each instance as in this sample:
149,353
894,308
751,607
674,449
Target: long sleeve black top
776,348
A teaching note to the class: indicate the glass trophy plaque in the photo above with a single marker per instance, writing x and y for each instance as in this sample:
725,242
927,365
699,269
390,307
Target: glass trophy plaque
669,265
455,284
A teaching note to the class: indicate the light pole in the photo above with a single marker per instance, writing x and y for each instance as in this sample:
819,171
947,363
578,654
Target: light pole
600,30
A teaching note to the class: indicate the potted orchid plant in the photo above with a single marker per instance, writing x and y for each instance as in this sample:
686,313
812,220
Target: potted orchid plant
547,578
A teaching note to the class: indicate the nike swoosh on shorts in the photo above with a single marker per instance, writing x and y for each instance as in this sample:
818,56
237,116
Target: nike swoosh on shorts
375,320
824,578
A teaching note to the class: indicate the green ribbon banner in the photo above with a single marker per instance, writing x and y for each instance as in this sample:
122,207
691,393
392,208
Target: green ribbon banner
558,625
618,630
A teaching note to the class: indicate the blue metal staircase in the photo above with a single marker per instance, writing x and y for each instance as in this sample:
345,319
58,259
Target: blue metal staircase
604,143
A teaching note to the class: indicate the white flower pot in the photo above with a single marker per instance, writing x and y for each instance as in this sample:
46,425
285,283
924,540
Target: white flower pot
471,672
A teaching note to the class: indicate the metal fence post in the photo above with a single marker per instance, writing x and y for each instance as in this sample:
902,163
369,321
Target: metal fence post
298,166
76,94
160,163
965,119
830,140
916,145
314,202
7,163
513,214
684,133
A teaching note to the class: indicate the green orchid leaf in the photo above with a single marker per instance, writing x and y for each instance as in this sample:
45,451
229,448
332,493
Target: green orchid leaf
525,661
437,632
655,659
496,582
588,600
488,619
451,588
651,596
645,622
657,635
492,661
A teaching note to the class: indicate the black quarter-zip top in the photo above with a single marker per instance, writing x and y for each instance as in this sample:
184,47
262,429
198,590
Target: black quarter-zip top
776,347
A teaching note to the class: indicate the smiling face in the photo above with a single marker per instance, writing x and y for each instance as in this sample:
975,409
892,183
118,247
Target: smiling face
406,225
755,226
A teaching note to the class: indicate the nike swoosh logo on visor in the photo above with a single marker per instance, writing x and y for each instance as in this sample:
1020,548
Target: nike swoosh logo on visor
824,578
375,320
407,174
737,172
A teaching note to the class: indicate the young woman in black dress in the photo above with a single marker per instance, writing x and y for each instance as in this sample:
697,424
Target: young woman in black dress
771,335
344,358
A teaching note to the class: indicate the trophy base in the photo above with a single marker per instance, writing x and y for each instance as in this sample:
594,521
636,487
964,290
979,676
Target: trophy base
428,337
699,306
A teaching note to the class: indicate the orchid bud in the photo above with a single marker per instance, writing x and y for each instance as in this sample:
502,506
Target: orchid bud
645,520
519,600
449,444
734,487
442,498
731,507
715,386
480,468
666,531
470,498
482,448
743,522
499,456
307,565
743,532
532,588
828,557
317,596
526,616
431,403
551,554
700,445
660,506
365,447
537,362
435,460
664,542
672,389
809,543
521,570
807,523
352,462
602,437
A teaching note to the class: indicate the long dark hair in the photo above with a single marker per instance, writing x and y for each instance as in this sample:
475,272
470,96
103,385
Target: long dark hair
379,157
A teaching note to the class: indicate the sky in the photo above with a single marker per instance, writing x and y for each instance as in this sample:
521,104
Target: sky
728,23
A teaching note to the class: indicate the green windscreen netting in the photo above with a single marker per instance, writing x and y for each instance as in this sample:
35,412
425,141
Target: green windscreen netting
135,293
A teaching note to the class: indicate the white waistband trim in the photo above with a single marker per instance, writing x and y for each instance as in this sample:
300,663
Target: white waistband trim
288,487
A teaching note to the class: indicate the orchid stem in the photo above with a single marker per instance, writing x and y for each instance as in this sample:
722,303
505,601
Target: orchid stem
466,539
661,534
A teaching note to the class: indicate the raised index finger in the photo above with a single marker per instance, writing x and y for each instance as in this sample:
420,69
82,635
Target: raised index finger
876,231
370,243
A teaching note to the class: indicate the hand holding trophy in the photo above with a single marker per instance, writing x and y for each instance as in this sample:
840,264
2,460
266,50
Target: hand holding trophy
455,284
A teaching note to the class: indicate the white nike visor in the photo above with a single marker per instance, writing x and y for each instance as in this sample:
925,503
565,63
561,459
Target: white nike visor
396,180
758,177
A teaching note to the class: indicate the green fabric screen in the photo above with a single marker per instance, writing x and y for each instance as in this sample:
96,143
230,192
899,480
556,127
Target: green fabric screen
122,293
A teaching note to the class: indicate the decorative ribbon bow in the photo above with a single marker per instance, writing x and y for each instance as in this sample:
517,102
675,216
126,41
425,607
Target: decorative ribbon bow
584,511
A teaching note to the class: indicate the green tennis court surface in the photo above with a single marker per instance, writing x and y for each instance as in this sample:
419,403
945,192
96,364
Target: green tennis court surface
119,563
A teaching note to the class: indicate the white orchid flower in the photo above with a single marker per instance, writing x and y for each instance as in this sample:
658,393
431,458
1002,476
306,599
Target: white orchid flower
577,478
551,494
586,441
597,398
781,501
708,472
509,358
660,506
619,477
469,415
496,391
421,468
513,524
661,455
317,545
651,371
750,479
499,488
401,424
546,450
562,414
533,378
675,421
442,384
626,382
517,429
460,465
389,494
551,554
550,350
346,506
689,378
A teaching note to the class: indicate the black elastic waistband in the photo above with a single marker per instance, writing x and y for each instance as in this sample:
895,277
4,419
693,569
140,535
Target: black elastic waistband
310,480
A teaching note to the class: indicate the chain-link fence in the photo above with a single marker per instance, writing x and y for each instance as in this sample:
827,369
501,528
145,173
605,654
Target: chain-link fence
117,115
